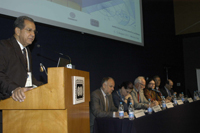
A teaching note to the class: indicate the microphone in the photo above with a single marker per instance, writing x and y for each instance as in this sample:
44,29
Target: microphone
39,46
43,69
155,90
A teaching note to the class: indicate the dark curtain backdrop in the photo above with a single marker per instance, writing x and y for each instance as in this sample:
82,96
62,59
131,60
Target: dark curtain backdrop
105,57
191,49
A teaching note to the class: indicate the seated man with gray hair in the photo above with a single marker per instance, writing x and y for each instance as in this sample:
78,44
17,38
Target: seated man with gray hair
139,99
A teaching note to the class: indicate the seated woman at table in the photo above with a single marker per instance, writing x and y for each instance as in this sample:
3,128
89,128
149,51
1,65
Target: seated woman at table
123,95
151,93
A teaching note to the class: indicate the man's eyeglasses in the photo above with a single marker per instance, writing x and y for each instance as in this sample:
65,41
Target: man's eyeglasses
141,84
30,30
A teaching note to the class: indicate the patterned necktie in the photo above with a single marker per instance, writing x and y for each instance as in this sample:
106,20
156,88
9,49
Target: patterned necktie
138,96
24,53
106,103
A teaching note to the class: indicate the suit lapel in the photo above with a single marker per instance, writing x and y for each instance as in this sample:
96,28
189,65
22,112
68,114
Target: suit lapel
141,96
18,51
102,99
135,93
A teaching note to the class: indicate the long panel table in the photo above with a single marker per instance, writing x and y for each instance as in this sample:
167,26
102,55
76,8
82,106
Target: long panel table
180,119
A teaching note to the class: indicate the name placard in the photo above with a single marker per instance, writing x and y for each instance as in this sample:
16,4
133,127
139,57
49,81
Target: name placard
139,113
169,105
157,108
180,102
190,100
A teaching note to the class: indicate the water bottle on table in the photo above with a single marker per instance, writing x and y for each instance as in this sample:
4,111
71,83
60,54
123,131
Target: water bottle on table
196,97
175,100
182,97
121,111
163,103
150,108
131,111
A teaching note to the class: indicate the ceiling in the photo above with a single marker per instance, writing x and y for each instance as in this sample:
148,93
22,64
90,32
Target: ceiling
187,16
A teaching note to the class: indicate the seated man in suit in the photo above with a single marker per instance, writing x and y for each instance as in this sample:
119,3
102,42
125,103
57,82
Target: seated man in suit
157,84
139,99
102,102
123,95
167,90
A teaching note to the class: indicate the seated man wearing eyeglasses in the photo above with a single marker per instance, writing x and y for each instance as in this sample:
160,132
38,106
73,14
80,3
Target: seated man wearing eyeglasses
167,90
140,101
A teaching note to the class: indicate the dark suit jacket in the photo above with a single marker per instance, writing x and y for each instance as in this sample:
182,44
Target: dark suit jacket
13,71
117,99
97,106
164,92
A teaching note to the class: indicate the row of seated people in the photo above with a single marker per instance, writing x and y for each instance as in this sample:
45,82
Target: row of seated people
138,94
105,101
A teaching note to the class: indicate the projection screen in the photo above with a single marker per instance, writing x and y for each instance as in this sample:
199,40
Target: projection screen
116,19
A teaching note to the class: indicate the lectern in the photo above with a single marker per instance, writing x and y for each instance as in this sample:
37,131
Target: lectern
49,108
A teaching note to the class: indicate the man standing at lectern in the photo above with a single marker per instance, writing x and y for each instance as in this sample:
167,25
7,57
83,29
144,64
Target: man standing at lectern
15,61
102,102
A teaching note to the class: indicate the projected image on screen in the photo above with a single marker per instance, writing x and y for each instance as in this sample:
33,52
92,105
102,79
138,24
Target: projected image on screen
116,10
118,14
116,19
113,11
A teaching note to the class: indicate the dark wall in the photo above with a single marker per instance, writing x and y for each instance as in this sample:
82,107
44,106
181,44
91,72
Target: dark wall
104,57
161,42
191,61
